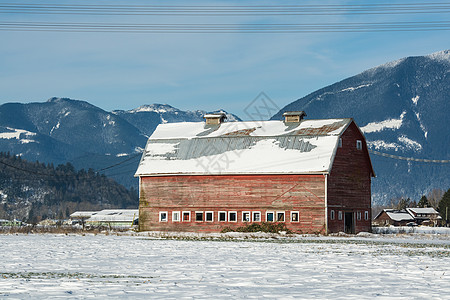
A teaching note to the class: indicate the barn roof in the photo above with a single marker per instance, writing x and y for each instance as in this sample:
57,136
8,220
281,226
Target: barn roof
256,147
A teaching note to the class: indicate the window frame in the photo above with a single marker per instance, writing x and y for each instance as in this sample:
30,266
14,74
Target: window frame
253,216
358,144
332,214
203,216
222,212
366,215
206,216
229,216
340,215
183,214
298,216
273,216
161,214
249,216
359,215
174,213
284,216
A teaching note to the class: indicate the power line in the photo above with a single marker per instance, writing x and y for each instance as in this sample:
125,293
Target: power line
226,28
438,161
227,10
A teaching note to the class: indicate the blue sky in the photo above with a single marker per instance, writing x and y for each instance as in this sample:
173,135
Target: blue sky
197,71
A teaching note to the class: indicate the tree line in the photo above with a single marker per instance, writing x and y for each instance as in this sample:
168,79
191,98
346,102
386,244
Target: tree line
34,191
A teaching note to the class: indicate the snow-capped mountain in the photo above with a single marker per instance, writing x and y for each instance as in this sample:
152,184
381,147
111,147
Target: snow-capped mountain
63,130
147,117
402,107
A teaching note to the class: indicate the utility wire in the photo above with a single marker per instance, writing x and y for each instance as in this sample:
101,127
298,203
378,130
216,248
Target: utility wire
226,28
438,161
227,10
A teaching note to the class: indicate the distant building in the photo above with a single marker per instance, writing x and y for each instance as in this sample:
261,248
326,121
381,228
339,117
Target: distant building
107,217
419,216
311,175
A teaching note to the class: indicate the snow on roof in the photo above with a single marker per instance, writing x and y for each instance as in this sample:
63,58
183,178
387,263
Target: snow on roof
242,147
114,215
424,210
82,214
398,215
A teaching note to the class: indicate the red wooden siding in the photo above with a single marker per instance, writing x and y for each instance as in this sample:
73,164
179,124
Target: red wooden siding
349,183
303,193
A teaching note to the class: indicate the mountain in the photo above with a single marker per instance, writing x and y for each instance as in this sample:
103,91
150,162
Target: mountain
35,191
147,117
402,107
63,130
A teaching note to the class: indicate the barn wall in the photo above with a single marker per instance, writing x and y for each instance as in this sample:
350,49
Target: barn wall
349,184
278,193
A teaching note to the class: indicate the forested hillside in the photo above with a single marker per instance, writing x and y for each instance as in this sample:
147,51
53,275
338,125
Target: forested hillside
32,191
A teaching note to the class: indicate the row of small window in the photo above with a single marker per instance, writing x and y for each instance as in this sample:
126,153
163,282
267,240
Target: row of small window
358,215
228,216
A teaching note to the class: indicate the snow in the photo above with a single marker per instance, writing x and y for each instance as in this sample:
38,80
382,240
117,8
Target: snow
380,144
121,154
190,130
351,89
399,216
16,133
415,100
442,56
108,266
410,144
386,124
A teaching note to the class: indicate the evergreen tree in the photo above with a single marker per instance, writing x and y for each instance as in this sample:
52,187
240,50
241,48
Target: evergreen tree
444,207
423,202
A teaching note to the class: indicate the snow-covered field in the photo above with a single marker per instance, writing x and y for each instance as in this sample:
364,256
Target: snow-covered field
109,266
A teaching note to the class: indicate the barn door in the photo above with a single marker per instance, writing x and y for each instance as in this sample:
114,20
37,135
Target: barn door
348,223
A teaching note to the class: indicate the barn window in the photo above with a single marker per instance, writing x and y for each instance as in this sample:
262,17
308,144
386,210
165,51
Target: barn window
332,215
358,215
232,216
340,143
359,145
186,216
163,216
366,215
198,216
245,216
209,216
294,216
175,216
280,216
270,216
340,215
222,216
256,216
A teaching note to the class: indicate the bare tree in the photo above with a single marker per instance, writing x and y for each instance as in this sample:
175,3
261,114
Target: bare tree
434,197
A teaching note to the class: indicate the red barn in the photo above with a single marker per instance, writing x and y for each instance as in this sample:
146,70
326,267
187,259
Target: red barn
312,175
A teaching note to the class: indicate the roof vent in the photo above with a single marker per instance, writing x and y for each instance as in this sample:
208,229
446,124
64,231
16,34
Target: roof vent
293,116
215,119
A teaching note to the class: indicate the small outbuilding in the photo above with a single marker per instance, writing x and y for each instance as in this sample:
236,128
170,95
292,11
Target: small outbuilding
312,175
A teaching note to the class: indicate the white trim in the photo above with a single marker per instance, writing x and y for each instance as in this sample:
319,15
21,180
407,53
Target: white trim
298,216
366,215
218,216
359,215
253,216
340,215
182,216
273,217
174,213
161,219
332,214
206,216
229,214
249,216
358,144
203,216
284,216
